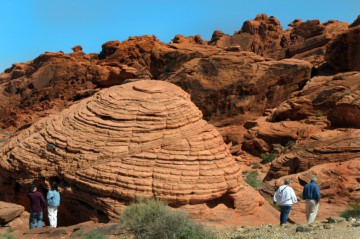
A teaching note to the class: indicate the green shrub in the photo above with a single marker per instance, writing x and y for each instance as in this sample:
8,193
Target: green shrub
151,219
255,165
290,144
354,210
268,157
7,235
300,195
251,179
94,234
245,172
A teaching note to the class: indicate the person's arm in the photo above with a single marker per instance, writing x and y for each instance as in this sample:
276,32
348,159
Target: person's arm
293,196
304,196
42,201
275,195
317,193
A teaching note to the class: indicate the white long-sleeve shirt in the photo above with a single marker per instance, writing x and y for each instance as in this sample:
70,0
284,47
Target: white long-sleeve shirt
285,196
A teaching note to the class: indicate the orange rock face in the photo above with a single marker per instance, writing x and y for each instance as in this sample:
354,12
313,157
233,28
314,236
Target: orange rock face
139,139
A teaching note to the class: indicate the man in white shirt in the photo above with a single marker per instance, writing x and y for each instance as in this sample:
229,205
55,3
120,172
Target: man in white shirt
285,197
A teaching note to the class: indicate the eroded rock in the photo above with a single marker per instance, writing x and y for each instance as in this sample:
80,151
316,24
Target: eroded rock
144,138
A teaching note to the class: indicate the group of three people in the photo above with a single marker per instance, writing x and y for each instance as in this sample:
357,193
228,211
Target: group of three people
285,197
37,204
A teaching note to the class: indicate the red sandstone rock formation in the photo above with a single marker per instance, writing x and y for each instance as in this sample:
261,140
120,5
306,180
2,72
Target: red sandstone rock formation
343,53
229,84
335,97
139,139
321,148
265,36
80,147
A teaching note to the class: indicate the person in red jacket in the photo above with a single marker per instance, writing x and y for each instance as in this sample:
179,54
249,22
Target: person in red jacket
37,204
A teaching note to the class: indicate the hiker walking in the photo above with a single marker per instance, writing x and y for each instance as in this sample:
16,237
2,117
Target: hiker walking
37,204
311,193
285,197
53,201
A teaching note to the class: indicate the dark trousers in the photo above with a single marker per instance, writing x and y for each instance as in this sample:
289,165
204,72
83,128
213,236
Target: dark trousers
284,213
35,217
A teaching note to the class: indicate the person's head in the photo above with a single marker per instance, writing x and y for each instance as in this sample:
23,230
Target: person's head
313,180
54,186
33,187
287,181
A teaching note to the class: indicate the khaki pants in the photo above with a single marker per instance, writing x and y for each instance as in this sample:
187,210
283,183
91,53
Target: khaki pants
311,210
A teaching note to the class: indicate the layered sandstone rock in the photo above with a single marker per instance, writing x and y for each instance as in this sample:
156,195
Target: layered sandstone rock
46,84
263,136
239,83
335,97
139,139
330,146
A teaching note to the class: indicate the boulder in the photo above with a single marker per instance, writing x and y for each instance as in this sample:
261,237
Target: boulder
9,211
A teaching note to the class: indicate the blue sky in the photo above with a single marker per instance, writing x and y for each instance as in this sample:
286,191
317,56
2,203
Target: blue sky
31,27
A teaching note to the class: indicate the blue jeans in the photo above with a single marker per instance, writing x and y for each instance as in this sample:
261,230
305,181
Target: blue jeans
284,213
35,217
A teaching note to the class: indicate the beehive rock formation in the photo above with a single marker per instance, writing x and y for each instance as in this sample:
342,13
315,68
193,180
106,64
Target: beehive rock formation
144,138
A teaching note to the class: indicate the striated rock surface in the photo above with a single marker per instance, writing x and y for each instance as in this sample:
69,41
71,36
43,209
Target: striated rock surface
263,136
139,139
335,97
326,147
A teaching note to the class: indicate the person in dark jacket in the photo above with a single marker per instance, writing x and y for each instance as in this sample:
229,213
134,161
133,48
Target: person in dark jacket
311,194
37,204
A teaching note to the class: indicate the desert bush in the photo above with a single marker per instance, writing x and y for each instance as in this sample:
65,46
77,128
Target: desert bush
94,234
251,179
353,211
7,235
290,144
268,157
151,219
255,165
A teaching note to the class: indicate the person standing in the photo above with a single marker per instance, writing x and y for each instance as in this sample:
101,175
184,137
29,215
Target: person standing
311,194
285,197
53,201
37,204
